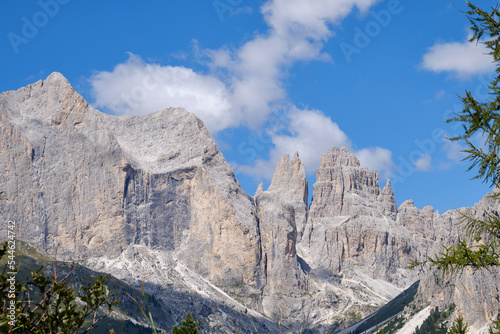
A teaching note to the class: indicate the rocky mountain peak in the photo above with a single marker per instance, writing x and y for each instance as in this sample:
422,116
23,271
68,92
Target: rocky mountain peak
407,204
56,78
342,187
290,179
260,190
388,188
387,201
339,158
153,194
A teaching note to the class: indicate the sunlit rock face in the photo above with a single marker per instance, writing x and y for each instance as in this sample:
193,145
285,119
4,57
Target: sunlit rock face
90,184
151,198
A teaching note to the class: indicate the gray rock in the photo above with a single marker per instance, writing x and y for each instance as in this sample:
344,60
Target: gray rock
281,210
89,184
151,198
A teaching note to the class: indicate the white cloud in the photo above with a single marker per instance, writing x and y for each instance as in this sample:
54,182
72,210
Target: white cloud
311,133
377,158
297,32
309,18
454,150
423,163
137,88
461,59
246,85
440,94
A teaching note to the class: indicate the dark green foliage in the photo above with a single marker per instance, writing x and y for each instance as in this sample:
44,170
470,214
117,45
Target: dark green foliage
479,118
482,117
390,310
496,326
393,326
459,326
49,305
188,326
479,247
145,309
435,323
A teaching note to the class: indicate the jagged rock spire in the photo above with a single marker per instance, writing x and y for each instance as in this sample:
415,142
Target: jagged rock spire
387,201
290,179
342,187
259,190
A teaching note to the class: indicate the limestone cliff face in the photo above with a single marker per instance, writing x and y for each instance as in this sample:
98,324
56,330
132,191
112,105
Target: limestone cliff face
152,198
351,222
282,211
90,184
62,170
343,188
475,293
354,230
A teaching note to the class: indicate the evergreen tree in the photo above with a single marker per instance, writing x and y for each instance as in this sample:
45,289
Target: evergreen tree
479,248
459,326
188,326
47,305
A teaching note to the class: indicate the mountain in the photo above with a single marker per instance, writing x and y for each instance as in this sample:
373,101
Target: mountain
151,199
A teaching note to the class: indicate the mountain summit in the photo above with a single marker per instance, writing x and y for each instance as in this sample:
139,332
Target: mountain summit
152,199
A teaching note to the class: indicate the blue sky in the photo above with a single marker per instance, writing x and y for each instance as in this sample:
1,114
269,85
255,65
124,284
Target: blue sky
274,77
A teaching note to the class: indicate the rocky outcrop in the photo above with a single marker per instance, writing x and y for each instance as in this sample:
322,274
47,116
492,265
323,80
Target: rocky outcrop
352,223
387,202
152,198
282,211
476,294
89,184
343,188
354,230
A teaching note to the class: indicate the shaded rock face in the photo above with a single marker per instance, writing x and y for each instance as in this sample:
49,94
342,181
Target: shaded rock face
134,194
282,211
89,184
351,222
343,188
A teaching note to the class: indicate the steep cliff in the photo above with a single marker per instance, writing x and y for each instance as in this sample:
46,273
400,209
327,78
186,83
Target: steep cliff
351,223
151,199
90,184
281,211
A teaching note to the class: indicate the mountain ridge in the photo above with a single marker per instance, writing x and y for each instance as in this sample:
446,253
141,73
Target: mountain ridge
130,194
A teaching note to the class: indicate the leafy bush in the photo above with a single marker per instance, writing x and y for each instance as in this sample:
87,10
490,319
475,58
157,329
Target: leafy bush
49,305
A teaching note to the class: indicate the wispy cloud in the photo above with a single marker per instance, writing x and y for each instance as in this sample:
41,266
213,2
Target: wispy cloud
138,88
309,132
377,158
245,86
454,151
459,59
423,164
